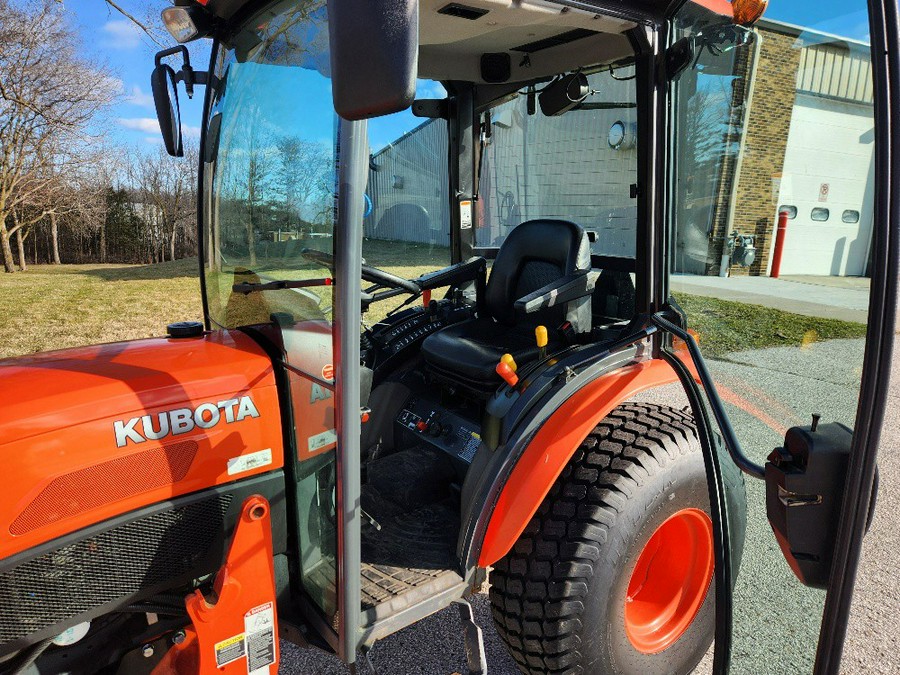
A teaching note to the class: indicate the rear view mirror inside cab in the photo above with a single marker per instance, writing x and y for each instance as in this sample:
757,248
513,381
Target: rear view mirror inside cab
563,94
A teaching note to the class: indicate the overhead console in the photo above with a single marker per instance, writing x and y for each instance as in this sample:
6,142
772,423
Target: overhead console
523,40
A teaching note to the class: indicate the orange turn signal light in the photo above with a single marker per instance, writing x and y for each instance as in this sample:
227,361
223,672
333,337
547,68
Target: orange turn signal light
748,12
504,371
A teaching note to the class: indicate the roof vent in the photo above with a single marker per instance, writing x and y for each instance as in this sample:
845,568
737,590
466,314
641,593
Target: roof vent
555,41
462,11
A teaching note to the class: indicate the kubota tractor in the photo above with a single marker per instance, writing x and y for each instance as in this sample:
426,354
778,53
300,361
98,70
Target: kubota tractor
341,450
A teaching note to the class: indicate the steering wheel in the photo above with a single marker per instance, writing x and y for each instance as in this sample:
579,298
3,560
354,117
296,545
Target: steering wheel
371,274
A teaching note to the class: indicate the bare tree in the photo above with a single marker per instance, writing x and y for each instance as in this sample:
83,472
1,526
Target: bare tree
48,96
166,187
301,166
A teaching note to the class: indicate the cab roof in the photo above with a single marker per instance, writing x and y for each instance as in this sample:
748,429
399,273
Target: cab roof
542,37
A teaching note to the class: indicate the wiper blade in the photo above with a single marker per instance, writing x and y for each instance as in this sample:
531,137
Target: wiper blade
279,285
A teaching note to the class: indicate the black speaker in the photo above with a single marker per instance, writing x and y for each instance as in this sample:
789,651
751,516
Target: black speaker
496,67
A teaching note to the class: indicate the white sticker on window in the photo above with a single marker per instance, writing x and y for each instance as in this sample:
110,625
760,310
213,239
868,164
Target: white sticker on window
465,215
249,462
322,440
259,631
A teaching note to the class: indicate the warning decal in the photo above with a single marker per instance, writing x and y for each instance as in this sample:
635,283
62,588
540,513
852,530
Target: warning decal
465,214
259,629
229,650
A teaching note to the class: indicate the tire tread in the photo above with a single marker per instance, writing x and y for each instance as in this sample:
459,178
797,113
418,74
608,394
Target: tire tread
537,589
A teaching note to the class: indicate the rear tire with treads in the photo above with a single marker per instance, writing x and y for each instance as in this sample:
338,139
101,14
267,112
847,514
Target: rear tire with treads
559,596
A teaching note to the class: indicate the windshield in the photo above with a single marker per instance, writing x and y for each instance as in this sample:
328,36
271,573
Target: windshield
270,172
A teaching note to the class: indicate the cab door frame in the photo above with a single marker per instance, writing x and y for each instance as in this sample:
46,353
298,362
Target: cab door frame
859,491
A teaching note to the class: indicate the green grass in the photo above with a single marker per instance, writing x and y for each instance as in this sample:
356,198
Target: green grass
59,306
726,327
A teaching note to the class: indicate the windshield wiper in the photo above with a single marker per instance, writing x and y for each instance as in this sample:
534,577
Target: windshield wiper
279,285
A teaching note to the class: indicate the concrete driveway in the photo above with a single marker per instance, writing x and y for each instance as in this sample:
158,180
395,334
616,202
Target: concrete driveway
845,298
776,619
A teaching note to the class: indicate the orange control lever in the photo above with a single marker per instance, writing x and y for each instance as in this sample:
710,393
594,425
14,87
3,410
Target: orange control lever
504,371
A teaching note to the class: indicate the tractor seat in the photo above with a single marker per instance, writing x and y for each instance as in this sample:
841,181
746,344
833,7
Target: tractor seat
548,260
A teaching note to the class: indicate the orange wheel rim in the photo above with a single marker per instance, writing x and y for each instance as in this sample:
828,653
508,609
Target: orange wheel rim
670,581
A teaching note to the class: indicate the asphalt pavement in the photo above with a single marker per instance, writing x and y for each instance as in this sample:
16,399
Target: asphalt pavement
776,619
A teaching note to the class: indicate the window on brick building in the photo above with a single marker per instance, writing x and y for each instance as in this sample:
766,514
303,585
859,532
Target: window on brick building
791,211
820,214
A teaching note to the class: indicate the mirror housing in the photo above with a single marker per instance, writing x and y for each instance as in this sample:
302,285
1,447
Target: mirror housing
374,56
561,95
165,96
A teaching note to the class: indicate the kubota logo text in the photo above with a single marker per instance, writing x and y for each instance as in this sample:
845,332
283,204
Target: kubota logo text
183,420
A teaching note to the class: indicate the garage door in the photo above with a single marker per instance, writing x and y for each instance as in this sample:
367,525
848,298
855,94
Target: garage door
827,185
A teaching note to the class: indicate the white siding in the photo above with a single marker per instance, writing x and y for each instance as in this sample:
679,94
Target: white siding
830,143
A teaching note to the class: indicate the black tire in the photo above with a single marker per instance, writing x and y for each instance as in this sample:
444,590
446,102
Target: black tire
558,598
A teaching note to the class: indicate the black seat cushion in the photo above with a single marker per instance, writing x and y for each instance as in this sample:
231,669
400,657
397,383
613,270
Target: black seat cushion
468,352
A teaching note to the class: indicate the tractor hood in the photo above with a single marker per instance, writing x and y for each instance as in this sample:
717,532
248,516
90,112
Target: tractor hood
88,434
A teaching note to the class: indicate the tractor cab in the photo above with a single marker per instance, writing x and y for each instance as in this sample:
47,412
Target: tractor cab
489,298
457,229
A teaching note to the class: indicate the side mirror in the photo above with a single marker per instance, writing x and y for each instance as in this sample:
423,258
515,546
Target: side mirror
165,96
374,56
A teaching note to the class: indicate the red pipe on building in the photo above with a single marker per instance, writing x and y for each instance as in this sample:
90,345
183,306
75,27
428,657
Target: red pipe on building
779,243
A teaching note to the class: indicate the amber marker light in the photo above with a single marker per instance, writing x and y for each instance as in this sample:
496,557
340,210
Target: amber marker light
748,12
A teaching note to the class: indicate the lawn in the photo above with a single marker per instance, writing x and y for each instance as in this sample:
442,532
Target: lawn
725,327
58,306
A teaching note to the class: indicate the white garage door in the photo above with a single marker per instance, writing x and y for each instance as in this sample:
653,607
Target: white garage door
828,178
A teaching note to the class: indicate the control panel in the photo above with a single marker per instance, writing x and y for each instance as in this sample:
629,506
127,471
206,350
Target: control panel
447,431
411,327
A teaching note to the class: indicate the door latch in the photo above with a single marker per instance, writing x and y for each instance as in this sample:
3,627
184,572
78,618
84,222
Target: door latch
804,491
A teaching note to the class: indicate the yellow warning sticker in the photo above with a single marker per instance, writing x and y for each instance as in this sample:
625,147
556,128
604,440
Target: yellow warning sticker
230,650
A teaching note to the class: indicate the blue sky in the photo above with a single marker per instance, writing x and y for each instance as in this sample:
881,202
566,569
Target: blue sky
111,39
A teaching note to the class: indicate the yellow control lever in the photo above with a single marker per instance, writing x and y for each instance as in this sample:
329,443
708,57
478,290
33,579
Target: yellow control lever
510,361
540,336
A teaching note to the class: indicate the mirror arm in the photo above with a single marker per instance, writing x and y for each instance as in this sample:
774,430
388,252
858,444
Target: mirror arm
187,74
191,77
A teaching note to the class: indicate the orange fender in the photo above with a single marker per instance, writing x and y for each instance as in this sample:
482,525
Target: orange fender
554,444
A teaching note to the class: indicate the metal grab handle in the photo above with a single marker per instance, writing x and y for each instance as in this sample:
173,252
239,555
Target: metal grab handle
732,444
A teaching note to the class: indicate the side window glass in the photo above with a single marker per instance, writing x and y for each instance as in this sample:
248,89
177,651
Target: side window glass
406,223
779,349
820,215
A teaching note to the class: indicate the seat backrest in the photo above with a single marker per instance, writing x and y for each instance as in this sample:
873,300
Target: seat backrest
534,254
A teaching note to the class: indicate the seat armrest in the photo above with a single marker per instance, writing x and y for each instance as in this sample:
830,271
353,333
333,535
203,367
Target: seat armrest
565,289
469,270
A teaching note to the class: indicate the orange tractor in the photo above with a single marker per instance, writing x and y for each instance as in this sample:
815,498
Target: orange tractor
327,460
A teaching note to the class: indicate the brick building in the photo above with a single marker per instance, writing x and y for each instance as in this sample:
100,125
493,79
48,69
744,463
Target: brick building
807,148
